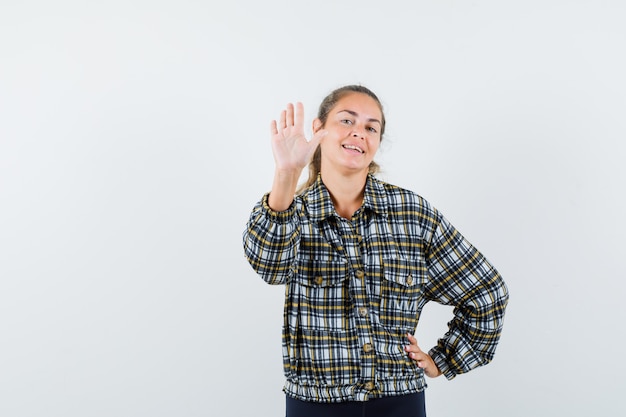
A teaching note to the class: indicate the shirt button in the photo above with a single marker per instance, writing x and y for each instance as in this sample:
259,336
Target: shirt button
367,348
318,280
359,274
409,279
362,311
369,385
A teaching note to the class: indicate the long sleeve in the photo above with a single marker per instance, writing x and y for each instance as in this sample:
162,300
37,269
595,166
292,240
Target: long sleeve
270,241
462,277
356,286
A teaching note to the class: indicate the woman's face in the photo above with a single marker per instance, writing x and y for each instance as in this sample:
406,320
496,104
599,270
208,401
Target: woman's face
353,138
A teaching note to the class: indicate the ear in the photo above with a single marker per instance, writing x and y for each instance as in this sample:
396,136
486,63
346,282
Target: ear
317,125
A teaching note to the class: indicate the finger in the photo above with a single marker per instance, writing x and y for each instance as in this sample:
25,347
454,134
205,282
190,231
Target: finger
413,343
413,349
273,128
413,352
421,359
299,116
289,115
283,119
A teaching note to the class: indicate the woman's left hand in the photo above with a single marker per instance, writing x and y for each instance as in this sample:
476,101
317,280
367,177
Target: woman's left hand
421,358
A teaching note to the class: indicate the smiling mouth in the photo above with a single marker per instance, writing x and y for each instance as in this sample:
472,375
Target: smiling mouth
354,148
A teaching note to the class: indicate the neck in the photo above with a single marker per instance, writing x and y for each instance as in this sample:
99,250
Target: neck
346,191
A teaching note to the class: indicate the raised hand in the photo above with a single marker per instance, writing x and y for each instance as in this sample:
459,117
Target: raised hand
292,151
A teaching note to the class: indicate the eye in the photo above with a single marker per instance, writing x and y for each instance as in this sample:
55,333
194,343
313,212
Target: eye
372,129
346,121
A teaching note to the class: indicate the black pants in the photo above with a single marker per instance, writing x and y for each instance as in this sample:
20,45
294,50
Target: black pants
411,405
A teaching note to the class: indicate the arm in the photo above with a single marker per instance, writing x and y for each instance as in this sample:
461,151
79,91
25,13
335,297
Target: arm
272,235
461,276
270,241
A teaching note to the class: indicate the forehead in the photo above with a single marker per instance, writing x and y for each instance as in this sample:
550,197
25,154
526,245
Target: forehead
359,103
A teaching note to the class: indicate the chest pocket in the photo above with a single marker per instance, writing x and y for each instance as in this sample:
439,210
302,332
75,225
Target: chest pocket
402,292
320,291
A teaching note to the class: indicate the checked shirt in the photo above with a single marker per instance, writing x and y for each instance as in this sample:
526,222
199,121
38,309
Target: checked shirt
355,287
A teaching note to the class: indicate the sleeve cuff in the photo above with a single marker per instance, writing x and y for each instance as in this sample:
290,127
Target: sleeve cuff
278,216
441,363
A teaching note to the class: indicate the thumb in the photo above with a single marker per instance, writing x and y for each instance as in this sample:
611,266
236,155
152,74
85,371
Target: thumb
317,137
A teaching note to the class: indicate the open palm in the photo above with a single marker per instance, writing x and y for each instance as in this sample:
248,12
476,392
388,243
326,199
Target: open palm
292,151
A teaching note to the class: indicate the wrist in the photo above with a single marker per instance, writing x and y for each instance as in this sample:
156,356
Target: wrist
283,189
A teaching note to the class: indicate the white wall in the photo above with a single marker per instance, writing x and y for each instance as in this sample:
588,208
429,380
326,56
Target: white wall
134,142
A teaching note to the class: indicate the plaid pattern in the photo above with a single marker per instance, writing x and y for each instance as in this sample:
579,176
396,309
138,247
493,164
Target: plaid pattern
354,288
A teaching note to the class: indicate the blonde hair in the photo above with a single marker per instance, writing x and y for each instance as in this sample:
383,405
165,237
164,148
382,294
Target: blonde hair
322,114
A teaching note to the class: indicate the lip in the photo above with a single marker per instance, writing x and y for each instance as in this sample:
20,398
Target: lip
353,148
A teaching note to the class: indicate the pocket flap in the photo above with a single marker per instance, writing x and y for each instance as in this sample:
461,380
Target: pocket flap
405,272
316,273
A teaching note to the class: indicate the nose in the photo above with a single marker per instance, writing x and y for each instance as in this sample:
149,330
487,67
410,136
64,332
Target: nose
358,133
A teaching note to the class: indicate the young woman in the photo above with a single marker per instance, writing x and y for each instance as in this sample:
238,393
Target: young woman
360,258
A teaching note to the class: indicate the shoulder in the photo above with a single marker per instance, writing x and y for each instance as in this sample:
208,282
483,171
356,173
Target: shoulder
402,199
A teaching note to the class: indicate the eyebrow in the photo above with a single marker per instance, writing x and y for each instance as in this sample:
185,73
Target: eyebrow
355,114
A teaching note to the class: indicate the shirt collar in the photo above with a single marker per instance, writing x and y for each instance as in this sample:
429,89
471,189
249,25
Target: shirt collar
320,205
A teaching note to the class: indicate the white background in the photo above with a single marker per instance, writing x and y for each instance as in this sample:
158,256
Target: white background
134,142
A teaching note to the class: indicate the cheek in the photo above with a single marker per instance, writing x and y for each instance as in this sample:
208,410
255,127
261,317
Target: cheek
343,130
338,128
374,143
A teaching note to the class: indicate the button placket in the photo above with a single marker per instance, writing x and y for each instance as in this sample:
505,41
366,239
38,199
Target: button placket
353,244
